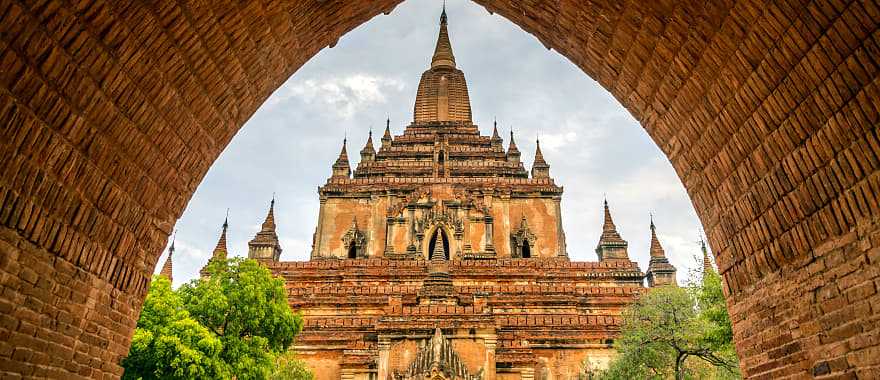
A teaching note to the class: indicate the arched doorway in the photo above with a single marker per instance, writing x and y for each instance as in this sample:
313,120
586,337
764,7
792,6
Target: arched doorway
432,244
767,112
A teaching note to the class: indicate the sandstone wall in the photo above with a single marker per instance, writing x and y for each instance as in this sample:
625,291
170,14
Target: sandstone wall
337,213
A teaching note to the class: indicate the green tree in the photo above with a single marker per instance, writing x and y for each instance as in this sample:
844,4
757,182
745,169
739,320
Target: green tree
233,324
672,332
169,344
713,308
246,308
719,333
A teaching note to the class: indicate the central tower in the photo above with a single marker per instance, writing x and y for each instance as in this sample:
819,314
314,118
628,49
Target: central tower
443,94
441,184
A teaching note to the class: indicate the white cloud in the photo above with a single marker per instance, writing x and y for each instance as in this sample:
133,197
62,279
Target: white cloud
553,141
343,96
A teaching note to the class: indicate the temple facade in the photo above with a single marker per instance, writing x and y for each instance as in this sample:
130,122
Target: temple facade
440,181
441,257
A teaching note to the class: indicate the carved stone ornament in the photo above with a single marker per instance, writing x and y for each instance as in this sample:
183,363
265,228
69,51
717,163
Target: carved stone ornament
437,360
356,238
521,237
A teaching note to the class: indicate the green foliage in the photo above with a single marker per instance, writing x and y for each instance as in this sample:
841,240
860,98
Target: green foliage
231,325
169,344
247,308
681,333
710,298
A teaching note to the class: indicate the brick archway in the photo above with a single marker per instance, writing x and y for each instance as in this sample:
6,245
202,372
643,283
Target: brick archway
113,111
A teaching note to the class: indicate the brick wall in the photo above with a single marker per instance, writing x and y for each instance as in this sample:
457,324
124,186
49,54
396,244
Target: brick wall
112,112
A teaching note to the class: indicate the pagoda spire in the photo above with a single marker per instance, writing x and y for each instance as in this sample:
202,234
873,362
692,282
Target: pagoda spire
269,223
512,147
368,153
539,156
656,248
265,244
512,151
220,251
341,167
611,246
540,168
386,138
167,267
496,140
609,230
660,271
443,51
707,262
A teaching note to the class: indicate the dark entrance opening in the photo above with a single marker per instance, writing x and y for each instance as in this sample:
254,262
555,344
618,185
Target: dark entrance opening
433,242
352,252
526,250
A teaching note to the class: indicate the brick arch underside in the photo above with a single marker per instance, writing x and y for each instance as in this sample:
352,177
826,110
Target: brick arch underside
113,111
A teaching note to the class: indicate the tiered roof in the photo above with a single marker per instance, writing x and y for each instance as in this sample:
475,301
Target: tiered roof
465,153
441,143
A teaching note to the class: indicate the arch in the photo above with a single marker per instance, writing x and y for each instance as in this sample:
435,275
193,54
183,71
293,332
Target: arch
526,251
114,111
352,251
444,237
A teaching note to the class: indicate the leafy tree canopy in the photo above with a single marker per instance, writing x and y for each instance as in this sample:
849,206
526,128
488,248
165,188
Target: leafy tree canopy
169,344
233,323
680,333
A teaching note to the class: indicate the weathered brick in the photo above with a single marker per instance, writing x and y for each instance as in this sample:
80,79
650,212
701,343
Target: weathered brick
730,92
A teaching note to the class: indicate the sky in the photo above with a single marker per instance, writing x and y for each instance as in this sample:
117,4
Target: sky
595,148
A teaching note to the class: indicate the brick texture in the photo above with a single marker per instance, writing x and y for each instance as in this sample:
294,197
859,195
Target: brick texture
112,112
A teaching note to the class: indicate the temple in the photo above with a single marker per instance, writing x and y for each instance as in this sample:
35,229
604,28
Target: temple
441,257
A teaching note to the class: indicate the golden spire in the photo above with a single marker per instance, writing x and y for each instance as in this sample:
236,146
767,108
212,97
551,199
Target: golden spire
443,52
